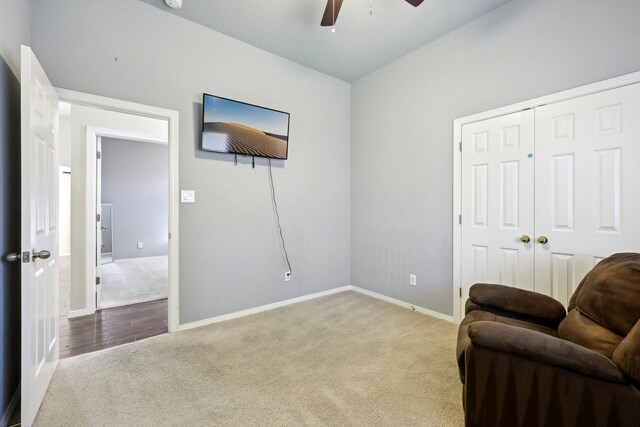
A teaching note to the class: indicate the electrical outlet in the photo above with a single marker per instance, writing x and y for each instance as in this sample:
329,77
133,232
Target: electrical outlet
140,245
412,279
287,276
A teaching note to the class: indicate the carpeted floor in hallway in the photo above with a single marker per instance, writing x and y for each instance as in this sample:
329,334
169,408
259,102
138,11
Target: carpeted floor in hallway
345,359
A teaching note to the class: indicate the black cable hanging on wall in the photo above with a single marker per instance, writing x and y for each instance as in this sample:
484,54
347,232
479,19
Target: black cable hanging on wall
275,208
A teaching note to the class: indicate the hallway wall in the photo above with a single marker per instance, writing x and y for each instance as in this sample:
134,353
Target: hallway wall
135,180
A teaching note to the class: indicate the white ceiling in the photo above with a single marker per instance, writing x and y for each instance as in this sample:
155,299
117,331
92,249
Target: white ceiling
362,42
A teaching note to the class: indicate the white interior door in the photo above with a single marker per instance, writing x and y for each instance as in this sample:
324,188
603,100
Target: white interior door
40,351
497,201
587,185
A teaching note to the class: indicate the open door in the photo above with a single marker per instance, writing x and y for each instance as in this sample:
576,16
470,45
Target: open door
40,352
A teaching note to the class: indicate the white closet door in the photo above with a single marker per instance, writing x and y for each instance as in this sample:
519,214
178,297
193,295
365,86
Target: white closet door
497,201
587,185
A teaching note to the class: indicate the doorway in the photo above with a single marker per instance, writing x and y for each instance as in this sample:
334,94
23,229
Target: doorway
132,224
106,281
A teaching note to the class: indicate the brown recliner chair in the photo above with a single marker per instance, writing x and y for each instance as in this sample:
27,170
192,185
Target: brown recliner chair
525,362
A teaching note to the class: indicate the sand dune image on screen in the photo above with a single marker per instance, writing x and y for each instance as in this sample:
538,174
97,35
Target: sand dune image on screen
235,138
234,127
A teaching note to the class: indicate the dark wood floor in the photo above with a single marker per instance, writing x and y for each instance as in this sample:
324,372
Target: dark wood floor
111,327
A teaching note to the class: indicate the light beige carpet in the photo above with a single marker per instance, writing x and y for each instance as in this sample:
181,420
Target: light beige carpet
341,360
134,280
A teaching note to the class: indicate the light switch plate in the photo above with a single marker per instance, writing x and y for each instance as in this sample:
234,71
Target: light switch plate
187,196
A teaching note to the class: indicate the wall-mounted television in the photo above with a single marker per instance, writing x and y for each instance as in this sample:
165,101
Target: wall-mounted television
236,127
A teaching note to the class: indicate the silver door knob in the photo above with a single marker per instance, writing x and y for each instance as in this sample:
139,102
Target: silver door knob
40,254
13,257
543,240
525,238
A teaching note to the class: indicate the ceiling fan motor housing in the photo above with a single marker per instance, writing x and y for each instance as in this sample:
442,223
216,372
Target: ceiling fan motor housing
174,4
332,9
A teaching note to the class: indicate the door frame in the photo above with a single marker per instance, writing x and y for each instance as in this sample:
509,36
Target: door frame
172,117
589,89
92,182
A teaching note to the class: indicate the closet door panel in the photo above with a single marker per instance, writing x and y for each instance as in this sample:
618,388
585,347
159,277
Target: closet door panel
587,178
497,201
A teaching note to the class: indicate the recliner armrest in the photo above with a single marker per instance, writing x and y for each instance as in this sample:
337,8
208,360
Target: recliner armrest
544,349
518,301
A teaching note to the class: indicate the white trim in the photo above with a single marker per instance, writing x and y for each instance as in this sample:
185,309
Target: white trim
78,313
172,117
90,269
62,170
279,304
130,136
112,104
457,212
613,83
11,408
403,304
261,308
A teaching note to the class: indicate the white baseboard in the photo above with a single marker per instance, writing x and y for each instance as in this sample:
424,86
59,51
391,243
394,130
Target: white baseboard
267,307
13,404
78,313
261,308
403,304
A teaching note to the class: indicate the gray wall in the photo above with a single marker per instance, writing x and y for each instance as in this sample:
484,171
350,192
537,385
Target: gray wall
230,256
402,114
14,30
135,180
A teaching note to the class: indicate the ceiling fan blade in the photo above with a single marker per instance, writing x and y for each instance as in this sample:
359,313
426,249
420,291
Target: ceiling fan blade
415,3
331,13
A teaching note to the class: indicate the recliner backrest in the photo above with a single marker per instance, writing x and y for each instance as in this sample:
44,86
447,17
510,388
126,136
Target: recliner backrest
610,293
606,304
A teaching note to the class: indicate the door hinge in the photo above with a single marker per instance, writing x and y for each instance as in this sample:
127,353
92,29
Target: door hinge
98,217
97,280
98,155
460,292
460,146
460,219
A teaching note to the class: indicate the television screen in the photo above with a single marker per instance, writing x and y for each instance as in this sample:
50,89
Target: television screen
238,128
